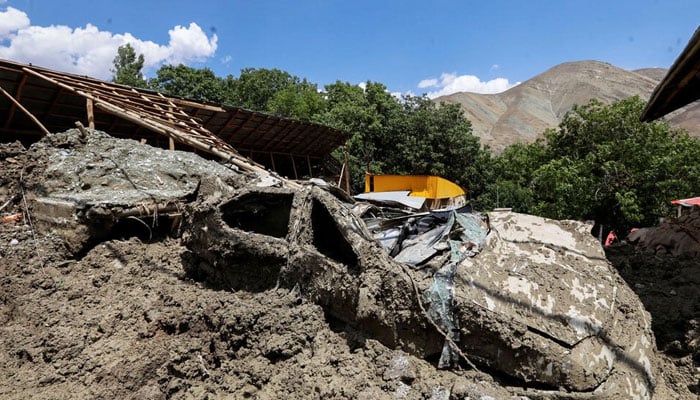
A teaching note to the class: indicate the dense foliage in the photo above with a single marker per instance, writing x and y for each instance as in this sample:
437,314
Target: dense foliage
127,67
199,84
600,164
411,135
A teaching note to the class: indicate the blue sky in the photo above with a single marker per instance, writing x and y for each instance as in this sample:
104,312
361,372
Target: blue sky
410,46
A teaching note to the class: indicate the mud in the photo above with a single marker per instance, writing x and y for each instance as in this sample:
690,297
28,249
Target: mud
295,311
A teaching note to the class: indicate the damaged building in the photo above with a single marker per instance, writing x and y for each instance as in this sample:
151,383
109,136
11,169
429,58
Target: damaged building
36,101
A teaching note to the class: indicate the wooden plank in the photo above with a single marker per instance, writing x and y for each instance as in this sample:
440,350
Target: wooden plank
272,159
243,125
29,114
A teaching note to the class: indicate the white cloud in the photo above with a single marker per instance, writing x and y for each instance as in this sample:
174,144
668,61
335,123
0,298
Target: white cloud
425,83
452,83
400,95
11,20
90,51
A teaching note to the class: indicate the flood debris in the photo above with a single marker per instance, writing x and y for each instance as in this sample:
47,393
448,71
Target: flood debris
292,277
678,236
531,298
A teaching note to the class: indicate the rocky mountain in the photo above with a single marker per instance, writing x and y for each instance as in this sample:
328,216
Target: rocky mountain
522,113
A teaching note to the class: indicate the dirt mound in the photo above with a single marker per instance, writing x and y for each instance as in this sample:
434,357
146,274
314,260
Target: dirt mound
102,298
667,285
675,236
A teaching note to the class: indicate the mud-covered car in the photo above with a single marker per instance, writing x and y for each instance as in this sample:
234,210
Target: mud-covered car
538,305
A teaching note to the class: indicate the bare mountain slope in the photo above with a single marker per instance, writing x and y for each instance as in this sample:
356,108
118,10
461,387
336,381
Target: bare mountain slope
522,113
656,74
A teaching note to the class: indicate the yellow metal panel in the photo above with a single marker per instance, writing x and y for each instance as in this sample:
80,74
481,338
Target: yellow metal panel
428,186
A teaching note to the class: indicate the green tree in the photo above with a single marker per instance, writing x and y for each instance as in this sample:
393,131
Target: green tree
366,113
127,67
603,164
636,167
256,87
198,84
301,101
411,135
508,184
434,139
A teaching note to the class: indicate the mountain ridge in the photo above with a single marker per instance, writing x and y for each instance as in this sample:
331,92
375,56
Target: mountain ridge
523,112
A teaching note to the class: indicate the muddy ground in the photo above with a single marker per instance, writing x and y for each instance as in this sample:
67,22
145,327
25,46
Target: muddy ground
121,319
669,288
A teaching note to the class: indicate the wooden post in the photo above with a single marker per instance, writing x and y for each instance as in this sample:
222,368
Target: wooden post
81,128
90,113
347,172
294,167
171,141
272,159
342,174
308,163
18,96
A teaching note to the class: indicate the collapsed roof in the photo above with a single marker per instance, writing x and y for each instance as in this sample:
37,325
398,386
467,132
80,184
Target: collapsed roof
37,100
680,86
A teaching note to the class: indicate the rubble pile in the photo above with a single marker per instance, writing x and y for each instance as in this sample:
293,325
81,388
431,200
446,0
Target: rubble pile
675,236
141,273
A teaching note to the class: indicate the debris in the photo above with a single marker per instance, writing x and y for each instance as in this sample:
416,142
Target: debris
11,218
262,286
676,236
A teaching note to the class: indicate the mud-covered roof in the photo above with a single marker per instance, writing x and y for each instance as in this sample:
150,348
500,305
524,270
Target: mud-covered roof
681,84
58,99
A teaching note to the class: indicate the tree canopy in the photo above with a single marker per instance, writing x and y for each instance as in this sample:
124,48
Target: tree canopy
411,135
181,80
127,67
602,164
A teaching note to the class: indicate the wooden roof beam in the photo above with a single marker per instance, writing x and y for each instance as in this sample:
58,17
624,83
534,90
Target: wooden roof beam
29,114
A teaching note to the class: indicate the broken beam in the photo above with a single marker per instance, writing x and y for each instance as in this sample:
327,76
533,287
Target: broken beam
29,114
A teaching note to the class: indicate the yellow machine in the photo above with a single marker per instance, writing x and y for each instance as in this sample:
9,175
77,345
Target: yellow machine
438,192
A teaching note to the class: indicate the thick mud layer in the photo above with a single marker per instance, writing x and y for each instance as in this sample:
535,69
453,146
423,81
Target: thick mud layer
134,313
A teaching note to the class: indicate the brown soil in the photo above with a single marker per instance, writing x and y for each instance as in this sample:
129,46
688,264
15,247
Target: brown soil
668,286
121,319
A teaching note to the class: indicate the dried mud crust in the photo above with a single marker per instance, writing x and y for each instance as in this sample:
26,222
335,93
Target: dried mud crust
124,322
539,306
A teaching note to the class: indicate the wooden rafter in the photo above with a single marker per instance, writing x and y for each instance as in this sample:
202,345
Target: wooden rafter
21,107
58,99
